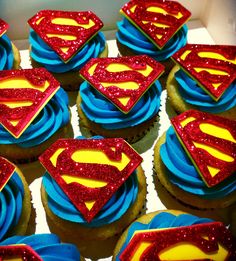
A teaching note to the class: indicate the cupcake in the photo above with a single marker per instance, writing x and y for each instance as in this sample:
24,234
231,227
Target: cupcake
9,54
47,247
156,28
33,113
195,160
92,190
63,42
120,97
174,235
15,201
204,79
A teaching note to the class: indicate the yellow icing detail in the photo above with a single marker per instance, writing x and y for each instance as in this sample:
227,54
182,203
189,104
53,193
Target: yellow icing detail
132,9
16,104
217,56
187,121
124,100
216,131
14,122
92,69
13,259
99,157
216,85
54,157
211,71
160,10
157,24
65,49
159,36
69,21
141,248
213,171
183,251
21,83
214,152
63,36
122,85
39,20
119,67
90,183
89,204
185,54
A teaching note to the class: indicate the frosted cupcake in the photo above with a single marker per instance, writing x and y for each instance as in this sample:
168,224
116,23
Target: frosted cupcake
63,42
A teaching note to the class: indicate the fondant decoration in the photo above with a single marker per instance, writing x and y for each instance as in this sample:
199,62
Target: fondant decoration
3,27
23,94
123,80
6,171
90,171
210,142
65,32
213,67
158,20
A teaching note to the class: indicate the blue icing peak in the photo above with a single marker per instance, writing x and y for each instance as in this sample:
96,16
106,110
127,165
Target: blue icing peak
193,94
131,37
183,174
43,54
47,246
6,54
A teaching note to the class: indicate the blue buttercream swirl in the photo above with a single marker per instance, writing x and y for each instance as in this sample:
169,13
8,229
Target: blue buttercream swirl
115,208
162,220
43,54
47,246
193,94
52,117
6,54
131,37
183,174
100,110
11,199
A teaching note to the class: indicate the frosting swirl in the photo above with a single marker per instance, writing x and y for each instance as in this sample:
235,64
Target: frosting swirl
162,220
101,111
53,116
131,37
6,54
193,94
47,246
183,174
44,55
11,199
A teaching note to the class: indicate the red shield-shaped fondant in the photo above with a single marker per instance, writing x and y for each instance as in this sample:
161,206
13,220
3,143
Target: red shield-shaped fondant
105,162
210,141
122,80
23,94
65,32
159,20
6,171
212,66
3,27
206,237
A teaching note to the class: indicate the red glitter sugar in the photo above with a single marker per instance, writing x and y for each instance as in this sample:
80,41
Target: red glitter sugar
191,133
42,23
3,27
6,171
102,75
158,27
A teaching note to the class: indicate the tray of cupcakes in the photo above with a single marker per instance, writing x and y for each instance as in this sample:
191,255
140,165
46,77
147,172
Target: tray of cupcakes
124,158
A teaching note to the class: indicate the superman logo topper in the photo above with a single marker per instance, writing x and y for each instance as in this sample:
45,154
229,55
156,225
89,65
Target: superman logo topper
23,94
65,32
122,80
3,27
159,20
210,142
213,67
208,241
6,171
90,171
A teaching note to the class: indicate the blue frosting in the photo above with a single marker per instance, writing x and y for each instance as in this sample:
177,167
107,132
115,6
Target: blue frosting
183,174
6,54
101,111
47,246
193,94
162,220
131,37
53,116
11,199
117,206
43,54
